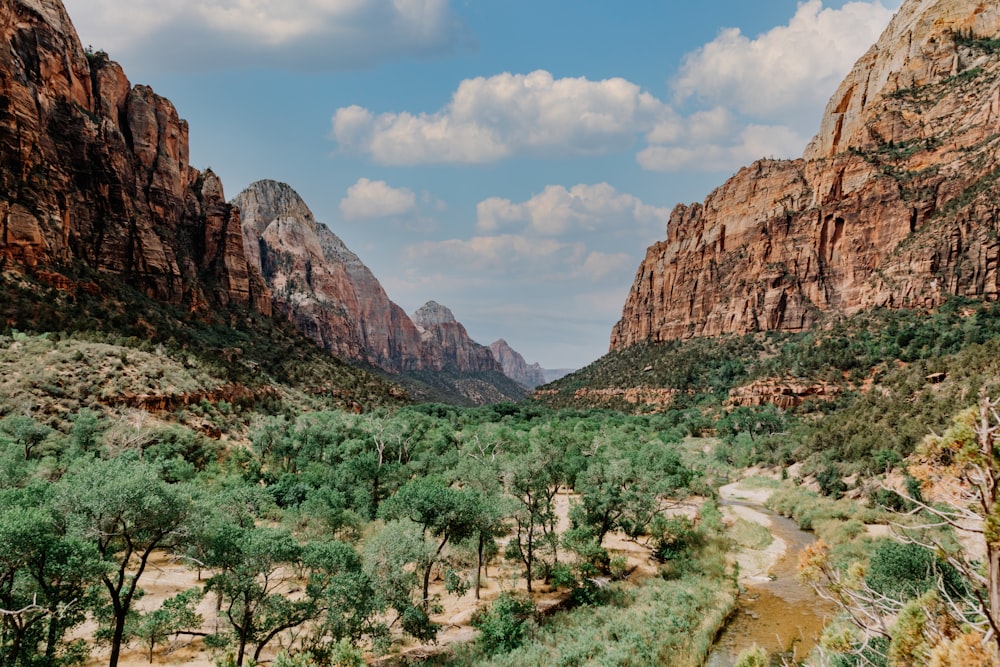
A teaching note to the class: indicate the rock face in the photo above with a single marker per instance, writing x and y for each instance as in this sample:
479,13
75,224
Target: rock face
94,172
515,367
447,345
323,287
893,203
330,295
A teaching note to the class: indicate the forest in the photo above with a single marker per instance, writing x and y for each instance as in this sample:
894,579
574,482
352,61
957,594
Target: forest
306,533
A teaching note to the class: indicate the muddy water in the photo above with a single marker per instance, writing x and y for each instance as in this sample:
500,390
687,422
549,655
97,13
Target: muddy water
782,615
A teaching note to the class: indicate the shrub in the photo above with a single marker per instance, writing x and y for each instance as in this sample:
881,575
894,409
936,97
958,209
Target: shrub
904,571
506,624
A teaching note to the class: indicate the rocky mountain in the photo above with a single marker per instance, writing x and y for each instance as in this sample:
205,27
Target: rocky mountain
332,297
94,175
321,285
447,345
893,204
515,367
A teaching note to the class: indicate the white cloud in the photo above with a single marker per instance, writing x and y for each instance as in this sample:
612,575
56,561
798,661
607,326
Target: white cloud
600,265
505,254
507,115
296,34
767,94
751,143
787,69
764,94
558,210
369,199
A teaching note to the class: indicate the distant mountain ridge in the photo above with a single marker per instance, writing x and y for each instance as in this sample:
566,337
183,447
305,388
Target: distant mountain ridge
331,296
515,367
892,205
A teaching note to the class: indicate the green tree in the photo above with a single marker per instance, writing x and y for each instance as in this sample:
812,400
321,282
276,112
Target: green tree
127,511
391,559
533,480
175,615
348,607
47,584
505,625
443,513
255,568
25,431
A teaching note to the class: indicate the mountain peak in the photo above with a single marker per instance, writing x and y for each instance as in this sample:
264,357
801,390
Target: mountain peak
432,313
515,367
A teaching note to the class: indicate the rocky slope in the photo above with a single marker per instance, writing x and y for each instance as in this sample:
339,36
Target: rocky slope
321,285
94,174
515,367
447,345
328,292
893,203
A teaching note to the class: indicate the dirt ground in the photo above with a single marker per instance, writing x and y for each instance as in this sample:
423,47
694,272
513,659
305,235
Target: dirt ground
165,577
754,564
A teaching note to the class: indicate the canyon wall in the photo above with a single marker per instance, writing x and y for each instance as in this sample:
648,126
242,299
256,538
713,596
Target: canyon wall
894,203
94,174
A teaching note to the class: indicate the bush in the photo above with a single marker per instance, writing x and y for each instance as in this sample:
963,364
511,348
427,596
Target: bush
754,656
505,625
903,571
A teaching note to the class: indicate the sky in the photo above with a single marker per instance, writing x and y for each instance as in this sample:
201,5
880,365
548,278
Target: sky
510,159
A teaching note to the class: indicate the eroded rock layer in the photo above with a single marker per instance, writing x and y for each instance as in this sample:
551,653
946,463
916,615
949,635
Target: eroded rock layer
515,367
323,287
447,345
95,171
895,202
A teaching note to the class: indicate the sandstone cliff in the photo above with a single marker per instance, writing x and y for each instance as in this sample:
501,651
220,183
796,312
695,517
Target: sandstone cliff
893,203
94,173
323,287
515,367
447,345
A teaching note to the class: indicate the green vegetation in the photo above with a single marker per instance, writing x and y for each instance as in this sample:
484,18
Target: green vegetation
328,531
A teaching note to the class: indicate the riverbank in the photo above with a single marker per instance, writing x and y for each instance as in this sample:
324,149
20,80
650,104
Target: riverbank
754,564
775,611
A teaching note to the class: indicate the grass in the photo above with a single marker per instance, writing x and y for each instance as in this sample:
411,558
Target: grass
750,535
657,623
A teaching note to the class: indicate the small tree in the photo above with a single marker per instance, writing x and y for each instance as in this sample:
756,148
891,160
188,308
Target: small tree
127,511
174,616
505,625
443,513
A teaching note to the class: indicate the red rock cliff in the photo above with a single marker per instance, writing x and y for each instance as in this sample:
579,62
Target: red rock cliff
95,171
893,204
447,345
321,285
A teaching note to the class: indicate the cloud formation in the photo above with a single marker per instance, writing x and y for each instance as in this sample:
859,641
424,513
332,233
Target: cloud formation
507,115
787,69
764,95
369,199
314,35
560,236
558,210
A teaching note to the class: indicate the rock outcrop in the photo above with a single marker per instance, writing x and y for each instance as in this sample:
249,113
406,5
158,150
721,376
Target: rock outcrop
515,367
94,172
323,287
893,204
447,345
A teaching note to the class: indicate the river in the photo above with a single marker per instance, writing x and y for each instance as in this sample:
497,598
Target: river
781,615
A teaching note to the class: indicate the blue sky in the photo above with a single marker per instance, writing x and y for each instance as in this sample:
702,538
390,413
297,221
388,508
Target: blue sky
509,159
